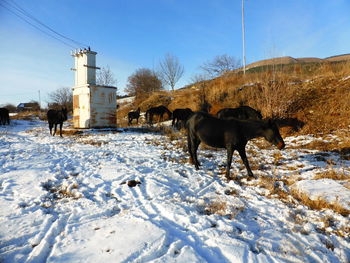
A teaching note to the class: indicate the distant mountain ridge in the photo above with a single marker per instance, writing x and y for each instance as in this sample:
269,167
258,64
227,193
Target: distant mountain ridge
290,60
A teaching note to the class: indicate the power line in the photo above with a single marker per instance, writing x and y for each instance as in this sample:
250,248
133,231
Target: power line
22,11
25,20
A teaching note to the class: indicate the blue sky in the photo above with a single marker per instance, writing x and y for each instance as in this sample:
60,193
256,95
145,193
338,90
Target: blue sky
132,34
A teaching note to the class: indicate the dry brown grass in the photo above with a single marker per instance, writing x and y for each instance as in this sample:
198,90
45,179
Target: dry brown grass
61,191
320,99
332,174
216,207
29,115
319,203
220,207
69,132
273,185
94,143
156,99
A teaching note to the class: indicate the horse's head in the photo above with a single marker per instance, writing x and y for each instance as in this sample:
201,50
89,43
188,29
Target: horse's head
272,134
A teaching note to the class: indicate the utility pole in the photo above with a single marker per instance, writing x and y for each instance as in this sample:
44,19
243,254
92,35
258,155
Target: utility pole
243,37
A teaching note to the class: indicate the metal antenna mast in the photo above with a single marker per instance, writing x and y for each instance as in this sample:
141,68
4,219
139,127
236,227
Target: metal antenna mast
243,37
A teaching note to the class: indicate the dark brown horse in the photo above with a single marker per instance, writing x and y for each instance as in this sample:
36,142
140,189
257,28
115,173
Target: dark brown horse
55,117
232,134
241,112
181,116
160,111
4,116
134,115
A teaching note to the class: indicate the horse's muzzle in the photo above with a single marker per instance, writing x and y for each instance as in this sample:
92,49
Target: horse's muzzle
280,145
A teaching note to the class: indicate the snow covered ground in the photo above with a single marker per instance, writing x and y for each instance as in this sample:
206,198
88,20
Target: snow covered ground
69,200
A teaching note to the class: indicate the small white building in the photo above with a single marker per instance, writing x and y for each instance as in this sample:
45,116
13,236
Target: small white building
94,106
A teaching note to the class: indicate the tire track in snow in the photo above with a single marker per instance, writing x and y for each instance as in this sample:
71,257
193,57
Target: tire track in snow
42,251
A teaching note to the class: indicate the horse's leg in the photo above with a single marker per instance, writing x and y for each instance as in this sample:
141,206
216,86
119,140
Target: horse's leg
61,124
189,145
54,131
194,143
50,127
244,158
192,149
229,160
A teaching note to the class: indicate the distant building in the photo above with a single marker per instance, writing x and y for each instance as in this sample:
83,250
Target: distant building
94,106
30,106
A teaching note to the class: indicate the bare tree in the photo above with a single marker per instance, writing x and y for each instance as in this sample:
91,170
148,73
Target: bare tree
170,70
62,97
143,81
105,77
220,65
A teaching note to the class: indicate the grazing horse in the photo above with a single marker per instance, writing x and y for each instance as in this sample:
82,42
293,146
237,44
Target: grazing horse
242,113
160,110
134,115
55,117
181,115
232,134
4,116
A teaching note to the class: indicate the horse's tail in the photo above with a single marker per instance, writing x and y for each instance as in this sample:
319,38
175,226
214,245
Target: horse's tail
186,122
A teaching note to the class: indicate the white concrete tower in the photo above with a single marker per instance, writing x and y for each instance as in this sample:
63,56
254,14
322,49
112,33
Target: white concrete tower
85,67
94,106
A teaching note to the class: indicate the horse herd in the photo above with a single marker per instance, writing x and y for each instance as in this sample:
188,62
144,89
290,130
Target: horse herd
231,129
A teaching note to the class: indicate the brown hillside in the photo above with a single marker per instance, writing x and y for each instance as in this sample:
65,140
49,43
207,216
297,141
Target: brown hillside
320,99
272,61
338,58
290,60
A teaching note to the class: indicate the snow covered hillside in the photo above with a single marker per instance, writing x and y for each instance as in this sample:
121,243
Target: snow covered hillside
107,196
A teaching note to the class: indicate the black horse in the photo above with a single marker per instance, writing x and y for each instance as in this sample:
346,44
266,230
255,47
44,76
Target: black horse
134,115
160,111
232,134
241,112
181,116
55,117
4,116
